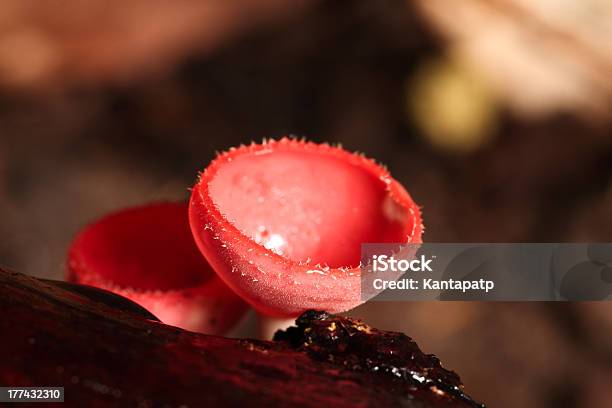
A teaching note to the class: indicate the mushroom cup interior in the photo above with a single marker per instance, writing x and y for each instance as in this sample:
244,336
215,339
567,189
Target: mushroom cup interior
310,206
147,248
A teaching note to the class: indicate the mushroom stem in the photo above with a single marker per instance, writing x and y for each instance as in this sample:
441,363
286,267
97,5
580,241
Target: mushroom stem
267,326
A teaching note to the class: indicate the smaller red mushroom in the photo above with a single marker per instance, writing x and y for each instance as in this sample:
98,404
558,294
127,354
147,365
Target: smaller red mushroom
282,223
148,255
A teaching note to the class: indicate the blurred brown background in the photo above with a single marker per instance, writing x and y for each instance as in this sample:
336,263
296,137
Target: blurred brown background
496,115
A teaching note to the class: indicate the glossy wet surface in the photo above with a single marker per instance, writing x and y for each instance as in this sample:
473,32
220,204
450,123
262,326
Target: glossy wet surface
308,206
105,356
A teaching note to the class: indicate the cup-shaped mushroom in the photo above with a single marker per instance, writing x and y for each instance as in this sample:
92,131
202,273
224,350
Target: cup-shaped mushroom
282,222
148,255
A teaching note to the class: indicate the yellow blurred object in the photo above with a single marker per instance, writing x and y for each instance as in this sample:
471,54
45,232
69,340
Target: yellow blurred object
453,109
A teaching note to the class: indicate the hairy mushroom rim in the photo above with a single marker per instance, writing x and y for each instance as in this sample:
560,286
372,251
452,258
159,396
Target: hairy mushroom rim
266,210
148,255
143,249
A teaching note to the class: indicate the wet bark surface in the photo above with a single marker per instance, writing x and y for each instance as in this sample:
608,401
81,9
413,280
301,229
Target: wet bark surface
107,353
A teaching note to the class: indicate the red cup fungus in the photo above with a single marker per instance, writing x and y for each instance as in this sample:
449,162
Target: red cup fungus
148,255
282,222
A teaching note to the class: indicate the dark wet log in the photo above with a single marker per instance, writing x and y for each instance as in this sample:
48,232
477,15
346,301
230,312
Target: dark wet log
107,354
